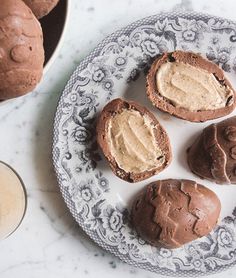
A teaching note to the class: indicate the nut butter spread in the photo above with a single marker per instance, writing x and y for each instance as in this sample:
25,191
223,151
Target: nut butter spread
132,142
190,87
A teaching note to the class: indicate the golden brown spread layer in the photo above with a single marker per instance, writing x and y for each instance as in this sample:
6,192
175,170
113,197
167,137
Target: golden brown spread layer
190,87
132,142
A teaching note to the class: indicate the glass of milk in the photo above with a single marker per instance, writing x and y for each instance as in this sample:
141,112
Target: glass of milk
13,200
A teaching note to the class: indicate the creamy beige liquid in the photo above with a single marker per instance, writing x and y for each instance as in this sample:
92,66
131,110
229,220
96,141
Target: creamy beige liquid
12,201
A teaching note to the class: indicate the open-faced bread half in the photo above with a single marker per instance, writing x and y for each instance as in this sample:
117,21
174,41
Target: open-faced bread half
190,87
133,141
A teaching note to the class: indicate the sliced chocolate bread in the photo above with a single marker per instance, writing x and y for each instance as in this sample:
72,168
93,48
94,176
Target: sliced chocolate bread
133,141
190,87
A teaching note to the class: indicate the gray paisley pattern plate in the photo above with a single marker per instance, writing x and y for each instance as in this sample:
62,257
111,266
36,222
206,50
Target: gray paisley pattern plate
98,200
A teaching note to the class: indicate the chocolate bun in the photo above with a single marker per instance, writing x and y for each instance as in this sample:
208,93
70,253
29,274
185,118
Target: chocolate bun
170,213
21,49
133,141
186,85
41,7
213,154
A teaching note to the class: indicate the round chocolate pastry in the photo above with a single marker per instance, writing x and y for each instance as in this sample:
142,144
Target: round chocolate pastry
21,49
133,141
213,154
170,213
190,87
41,7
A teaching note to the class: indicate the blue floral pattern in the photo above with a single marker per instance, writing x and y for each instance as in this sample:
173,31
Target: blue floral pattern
87,186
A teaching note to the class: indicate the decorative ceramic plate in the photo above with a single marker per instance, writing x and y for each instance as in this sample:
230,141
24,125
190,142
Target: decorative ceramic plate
99,200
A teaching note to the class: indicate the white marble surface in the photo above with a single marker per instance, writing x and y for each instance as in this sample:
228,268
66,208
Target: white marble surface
49,243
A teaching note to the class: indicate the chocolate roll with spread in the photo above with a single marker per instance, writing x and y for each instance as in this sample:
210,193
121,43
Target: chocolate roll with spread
41,7
213,154
171,213
133,141
21,49
190,87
